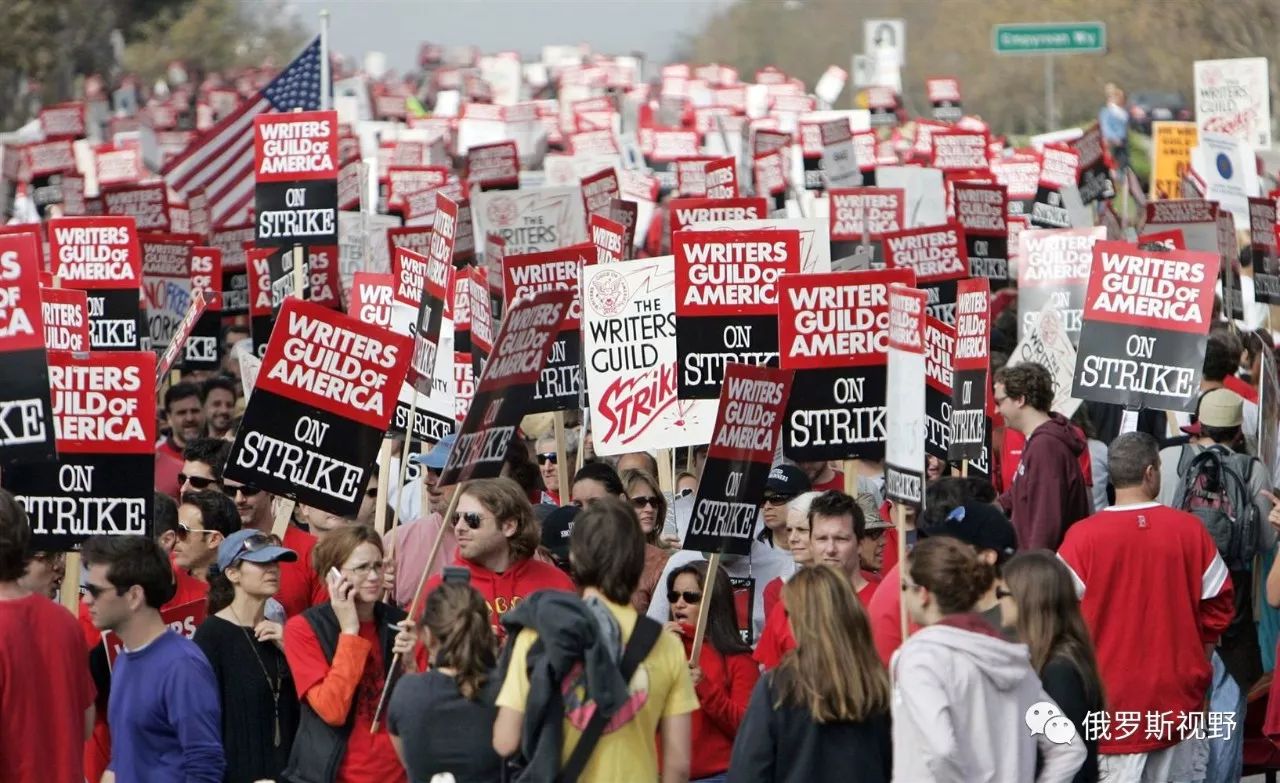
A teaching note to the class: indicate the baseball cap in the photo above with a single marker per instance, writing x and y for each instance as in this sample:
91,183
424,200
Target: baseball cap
1218,408
438,455
786,480
980,525
871,512
254,546
556,528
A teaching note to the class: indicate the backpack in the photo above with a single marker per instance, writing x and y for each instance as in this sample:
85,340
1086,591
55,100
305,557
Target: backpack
1214,485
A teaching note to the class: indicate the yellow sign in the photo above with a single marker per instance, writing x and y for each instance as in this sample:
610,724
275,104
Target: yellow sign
1171,144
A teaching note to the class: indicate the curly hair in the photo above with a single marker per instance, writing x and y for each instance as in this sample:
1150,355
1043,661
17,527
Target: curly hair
1031,382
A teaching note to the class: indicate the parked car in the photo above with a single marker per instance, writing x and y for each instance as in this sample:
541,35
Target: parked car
1153,106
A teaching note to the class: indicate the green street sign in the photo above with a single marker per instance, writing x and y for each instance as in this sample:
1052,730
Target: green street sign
1050,38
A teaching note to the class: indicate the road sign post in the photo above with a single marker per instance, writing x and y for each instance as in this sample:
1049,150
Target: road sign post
1049,39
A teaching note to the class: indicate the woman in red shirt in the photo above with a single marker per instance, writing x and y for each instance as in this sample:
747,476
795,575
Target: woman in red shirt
340,653
724,674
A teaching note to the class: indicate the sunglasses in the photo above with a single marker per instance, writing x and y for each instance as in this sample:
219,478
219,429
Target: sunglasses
689,597
640,501
255,544
93,591
684,493
371,492
472,519
777,500
548,457
197,482
184,531
243,489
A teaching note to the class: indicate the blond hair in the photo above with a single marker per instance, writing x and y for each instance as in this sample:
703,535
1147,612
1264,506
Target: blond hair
834,672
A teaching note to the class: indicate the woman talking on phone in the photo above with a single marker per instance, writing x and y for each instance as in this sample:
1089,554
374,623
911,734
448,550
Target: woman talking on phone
340,653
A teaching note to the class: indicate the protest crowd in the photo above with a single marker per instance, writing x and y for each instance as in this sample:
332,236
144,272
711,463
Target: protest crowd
559,420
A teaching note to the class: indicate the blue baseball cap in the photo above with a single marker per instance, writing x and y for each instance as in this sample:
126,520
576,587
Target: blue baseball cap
438,455
254,546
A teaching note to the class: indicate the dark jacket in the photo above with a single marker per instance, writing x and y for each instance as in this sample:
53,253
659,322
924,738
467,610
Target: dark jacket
318,748
1065,684
567,634
784,744
1049,491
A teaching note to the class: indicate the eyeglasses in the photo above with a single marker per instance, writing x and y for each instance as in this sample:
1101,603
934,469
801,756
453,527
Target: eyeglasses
777,500
640,501
184,531
364,571
243,489
197,482
93,591
999,400
472,518
688,596
548,457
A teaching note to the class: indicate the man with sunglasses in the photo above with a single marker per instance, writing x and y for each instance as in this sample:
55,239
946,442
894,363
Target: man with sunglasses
46,694
497,536
202,462
164,713
184,417
205,520
548,463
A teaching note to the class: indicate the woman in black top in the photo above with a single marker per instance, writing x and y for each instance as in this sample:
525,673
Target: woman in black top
442,721
823,713
259,704
1047,617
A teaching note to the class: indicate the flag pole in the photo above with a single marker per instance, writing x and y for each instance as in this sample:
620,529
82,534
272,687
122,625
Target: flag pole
326,85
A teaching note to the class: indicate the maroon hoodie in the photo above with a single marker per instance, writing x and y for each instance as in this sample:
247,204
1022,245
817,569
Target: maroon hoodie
1049,492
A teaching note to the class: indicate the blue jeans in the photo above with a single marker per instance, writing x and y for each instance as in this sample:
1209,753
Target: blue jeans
1226,756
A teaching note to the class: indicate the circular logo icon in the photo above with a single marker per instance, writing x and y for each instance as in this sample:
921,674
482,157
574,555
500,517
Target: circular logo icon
1224,165
608,293
502,211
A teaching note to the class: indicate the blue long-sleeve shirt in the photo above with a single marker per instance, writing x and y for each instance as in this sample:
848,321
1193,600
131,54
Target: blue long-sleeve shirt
164,715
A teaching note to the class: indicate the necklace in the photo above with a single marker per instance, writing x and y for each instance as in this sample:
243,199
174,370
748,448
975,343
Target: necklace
272,682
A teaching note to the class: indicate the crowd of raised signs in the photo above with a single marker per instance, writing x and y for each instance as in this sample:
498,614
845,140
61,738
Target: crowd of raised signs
579,419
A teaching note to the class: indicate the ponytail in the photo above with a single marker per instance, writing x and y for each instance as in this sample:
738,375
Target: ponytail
221,591
952,571
458,618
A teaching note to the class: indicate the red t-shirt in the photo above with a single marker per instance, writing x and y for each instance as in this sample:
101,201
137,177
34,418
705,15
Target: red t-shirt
777,640
45,689
300,586
370,758
772,595
1155,593
723,695
885,610
836,483
503,591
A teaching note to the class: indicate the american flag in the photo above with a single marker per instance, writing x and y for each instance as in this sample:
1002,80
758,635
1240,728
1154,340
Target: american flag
220,161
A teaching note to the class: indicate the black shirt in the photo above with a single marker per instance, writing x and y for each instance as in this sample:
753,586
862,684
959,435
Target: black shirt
442,731
1065,685
248,710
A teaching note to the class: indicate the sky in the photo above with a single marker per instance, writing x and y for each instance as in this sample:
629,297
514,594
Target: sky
397,27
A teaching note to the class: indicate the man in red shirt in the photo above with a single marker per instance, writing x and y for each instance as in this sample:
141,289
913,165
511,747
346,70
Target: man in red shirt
1156,596
46,694
300,586
1049,491
185,418
836,529
497,535
951,510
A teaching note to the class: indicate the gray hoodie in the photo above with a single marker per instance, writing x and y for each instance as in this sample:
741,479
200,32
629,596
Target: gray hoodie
960,701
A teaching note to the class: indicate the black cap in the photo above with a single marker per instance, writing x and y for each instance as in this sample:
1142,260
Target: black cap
786,480
556,528
980,525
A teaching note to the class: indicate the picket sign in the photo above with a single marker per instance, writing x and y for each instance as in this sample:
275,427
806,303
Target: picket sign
285,506
562,458
700,631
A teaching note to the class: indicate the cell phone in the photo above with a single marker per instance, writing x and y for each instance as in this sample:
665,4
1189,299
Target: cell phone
457,574
334,574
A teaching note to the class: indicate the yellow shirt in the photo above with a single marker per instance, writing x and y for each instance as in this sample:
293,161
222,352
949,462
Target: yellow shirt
627,749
